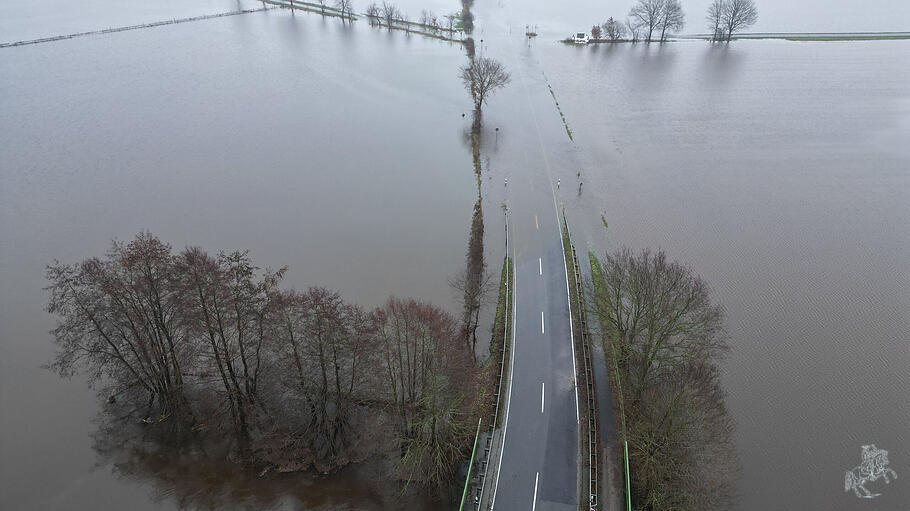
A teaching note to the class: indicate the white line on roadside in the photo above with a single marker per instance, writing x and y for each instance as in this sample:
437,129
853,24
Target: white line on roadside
541,323
505,425
534,502
536,223
541,396
540,265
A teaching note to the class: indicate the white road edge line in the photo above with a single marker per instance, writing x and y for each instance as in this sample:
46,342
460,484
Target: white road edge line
505,424
534,502
540,265
542,393
571,336
542,330
536,223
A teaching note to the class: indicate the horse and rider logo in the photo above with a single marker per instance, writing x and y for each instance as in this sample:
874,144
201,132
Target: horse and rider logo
873,467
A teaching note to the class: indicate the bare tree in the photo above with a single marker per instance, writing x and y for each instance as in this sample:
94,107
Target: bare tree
212,345
634,29
595,32
739,14
672,20
483,77
390,13
433,386
373,13
664,336
331,349
715,19
451,19
695,467
426,17
660,313
648,15
613,30
225,309
118,319
346,7
406,21
475,283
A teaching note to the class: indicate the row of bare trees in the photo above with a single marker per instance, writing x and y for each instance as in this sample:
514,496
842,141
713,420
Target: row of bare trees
390,15
651,20
651,17
346,7
387,13
648,20
429,20
726,17
611,30
196,346
665,336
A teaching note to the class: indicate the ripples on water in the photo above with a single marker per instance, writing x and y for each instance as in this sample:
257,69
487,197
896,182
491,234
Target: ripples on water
332,149
780,172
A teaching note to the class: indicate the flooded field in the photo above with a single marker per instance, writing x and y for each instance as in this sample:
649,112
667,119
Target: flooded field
780,172
338,151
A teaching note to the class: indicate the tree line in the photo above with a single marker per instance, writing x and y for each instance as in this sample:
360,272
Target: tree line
651,20
196,346
390,14
663,337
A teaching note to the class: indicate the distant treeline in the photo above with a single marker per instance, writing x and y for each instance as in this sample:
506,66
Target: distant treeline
200,346
650,20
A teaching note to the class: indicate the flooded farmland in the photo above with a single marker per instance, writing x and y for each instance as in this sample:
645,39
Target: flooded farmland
335,150
778,170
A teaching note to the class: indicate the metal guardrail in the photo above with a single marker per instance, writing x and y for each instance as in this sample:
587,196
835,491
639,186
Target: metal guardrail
130,27
589,377
488,444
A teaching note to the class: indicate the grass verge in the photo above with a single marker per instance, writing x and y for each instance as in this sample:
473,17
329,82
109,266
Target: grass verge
502,322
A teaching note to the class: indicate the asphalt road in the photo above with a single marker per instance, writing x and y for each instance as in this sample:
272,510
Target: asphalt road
539,466
540,449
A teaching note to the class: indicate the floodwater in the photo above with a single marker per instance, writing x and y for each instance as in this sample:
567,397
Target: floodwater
338,151
780,172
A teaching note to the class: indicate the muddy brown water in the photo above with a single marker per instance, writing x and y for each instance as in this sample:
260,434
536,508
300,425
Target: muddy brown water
338,151
778,170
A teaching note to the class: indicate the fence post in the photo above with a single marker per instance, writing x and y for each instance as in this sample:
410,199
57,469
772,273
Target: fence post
467,478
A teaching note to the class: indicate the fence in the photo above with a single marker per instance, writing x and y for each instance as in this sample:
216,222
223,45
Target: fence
593,443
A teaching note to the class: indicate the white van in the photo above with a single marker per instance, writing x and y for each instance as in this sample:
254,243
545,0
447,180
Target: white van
581,38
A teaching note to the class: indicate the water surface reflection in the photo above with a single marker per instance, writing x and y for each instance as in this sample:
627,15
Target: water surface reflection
328,148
